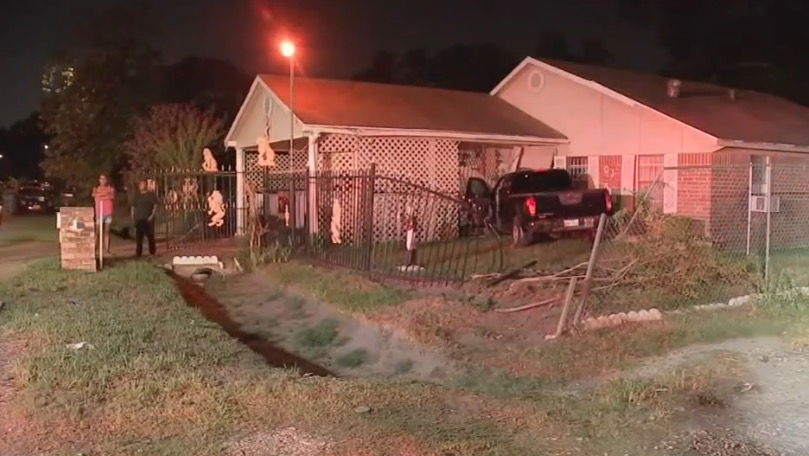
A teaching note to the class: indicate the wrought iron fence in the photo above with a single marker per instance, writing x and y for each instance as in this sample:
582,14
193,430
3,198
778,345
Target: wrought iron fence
194,207
383,225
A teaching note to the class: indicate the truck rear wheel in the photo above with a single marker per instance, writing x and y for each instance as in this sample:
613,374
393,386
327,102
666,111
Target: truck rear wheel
519,237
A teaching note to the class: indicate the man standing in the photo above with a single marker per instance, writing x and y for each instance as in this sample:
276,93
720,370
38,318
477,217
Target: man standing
143,214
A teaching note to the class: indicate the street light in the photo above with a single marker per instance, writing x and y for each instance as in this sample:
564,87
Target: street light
288,51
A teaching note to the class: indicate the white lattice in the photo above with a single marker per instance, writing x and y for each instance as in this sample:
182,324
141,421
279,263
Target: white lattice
252,171
427,162
445,166
337,153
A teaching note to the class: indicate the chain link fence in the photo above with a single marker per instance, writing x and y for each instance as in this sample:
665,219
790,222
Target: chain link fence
702,235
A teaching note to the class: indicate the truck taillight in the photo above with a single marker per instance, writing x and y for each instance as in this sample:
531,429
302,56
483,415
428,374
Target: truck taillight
608,201
531,206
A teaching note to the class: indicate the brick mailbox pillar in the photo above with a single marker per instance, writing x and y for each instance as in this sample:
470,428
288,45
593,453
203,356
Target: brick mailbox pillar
77,238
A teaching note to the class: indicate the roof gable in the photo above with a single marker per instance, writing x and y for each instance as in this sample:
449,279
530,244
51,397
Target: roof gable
739,116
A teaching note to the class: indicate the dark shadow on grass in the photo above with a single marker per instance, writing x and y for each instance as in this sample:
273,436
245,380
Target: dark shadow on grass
196,297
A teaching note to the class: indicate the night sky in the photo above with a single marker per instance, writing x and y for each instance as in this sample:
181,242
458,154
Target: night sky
336,37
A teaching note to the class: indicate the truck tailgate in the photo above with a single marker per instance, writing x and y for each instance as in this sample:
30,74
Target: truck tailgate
571,204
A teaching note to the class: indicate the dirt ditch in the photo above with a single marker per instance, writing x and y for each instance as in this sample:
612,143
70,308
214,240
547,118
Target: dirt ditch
352,345
196,296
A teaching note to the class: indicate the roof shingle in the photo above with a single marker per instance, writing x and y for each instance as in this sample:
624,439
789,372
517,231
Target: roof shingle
751,117
364,104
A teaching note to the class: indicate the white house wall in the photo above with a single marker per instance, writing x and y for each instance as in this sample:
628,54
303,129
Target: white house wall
599,124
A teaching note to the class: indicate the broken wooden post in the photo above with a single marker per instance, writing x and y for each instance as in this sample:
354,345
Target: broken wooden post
560,327
588,276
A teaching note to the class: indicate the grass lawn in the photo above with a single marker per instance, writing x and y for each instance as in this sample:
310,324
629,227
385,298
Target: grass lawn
460,258
28,228
159,379
343,288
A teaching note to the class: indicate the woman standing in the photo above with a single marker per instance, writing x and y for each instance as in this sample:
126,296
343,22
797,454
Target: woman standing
104,196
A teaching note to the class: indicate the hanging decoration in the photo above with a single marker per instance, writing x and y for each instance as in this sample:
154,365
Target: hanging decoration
266,154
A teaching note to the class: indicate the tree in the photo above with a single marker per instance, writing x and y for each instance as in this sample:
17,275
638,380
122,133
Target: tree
383,68
114,78
554,45
21,146
722,42
172,136
476,67
206,82
594,51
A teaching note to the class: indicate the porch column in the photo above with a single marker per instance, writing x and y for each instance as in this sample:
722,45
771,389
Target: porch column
240,207
312,165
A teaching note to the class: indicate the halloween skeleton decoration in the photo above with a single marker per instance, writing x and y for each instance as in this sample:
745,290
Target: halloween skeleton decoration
410,233
190,189
209,164
266,154
336,221
216,209
172,200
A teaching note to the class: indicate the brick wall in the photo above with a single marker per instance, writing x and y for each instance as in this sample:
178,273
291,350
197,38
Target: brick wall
77,237
694,186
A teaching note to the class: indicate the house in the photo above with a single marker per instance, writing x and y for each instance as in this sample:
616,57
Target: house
704,145
431,137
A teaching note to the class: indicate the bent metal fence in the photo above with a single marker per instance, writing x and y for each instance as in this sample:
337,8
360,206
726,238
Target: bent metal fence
383,225
395,228
720,233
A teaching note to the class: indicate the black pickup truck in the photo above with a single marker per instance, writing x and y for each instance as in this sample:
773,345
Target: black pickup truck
529,203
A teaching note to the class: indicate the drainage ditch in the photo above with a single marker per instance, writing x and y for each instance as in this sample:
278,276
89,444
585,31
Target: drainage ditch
196,297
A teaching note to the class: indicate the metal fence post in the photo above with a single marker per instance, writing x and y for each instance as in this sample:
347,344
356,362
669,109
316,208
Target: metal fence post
749,205
590,267
369,217
768,231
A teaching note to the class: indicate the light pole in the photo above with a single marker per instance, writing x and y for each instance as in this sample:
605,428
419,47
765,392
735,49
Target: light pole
288,51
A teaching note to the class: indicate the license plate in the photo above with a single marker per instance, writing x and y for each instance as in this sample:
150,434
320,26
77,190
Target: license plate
571,223
36,206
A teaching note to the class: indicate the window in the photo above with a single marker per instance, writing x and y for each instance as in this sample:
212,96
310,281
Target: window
648,179
758,164
552,180
577,167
